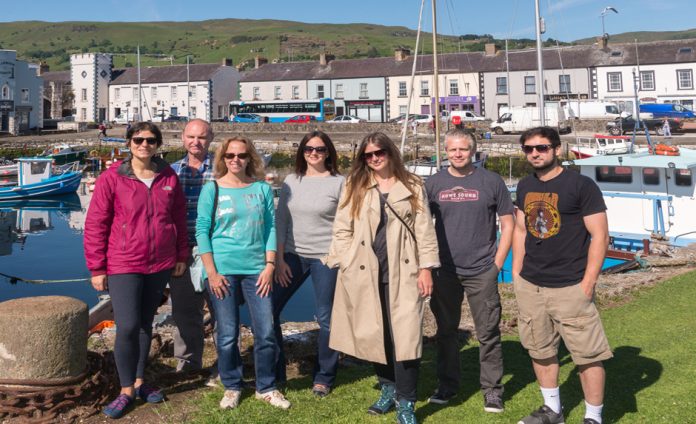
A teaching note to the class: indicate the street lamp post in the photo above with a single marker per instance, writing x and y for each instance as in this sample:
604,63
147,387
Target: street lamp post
604,13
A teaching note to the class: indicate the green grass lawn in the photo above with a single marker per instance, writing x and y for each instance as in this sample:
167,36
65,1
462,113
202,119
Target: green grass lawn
651,379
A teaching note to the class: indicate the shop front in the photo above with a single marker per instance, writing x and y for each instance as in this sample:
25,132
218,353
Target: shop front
369,110
450,103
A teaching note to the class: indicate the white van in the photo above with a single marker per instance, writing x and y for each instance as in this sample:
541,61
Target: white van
590,110
521,118
466,115
121,119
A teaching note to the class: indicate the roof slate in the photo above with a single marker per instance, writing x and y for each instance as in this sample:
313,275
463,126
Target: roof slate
584,56
163,74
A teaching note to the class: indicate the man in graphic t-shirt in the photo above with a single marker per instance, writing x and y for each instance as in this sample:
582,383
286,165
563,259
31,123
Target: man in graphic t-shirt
559,244
465,201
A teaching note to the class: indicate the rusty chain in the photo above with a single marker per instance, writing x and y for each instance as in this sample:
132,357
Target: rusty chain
41,404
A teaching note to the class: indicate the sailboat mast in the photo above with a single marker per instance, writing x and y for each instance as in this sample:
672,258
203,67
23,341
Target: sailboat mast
436,87
540,65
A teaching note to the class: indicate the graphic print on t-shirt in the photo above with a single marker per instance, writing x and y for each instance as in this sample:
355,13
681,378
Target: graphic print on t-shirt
541,212
459,194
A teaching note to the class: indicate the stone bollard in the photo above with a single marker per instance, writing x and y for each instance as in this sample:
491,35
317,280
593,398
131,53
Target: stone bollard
42,339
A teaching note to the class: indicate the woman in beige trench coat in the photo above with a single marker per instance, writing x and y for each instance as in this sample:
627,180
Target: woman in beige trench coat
384,245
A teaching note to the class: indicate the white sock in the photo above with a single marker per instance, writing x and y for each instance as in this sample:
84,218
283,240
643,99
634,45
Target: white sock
552,398
594,412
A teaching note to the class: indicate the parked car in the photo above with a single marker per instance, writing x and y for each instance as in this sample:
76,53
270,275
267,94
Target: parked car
247,117
397,120
418,118
624,125
122,119
347,119
301,119
667,110
466,115
175,118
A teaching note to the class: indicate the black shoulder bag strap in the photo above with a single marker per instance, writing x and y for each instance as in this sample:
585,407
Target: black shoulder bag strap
386,202
212,214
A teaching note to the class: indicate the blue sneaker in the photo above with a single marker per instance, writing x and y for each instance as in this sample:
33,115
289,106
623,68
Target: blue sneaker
118,406
149,394
406,412
386,401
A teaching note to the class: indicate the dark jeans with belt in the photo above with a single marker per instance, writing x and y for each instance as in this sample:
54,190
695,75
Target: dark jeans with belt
324,281
402,374
484,301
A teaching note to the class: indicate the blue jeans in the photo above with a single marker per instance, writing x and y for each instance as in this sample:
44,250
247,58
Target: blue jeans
226,312
324,279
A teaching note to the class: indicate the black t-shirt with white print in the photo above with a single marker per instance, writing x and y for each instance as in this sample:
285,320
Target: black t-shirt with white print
557,241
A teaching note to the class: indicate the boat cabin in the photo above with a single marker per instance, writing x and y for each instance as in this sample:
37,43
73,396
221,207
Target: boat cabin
647,194
600,144
34,170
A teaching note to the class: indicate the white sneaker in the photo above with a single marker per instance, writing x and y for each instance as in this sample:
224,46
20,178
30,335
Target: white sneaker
275,398
214,379
231,399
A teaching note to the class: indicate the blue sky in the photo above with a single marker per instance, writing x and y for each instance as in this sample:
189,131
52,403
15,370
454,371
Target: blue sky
566,20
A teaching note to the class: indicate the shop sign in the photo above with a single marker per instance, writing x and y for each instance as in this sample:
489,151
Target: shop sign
6,105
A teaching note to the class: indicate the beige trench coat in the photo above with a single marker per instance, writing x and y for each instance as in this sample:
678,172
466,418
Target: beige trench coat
356,320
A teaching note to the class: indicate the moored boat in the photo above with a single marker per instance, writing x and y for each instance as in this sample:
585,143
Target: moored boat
600,144
37,177
63,153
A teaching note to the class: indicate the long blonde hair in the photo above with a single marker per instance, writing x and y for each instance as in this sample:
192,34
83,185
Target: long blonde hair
254,168
360,174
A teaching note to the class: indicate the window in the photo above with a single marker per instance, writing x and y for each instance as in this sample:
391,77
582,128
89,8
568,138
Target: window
153,93
221,111
402,89
192,92
25,95
154,111
255,91
685,79
501,86
5,92
135,93
564,84
83,95
83,114
647,80
295,91
425,89
363,90
453,87
529,85
339,91
614,81
320,91
276,92
682,177
403,109
651,176
193,111
614,174
117,94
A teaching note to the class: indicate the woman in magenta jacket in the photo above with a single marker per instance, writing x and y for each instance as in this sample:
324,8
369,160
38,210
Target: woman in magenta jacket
135,240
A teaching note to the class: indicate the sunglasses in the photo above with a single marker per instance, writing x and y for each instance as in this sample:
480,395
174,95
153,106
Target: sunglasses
541,148
139,140
310,149
241,156
376,153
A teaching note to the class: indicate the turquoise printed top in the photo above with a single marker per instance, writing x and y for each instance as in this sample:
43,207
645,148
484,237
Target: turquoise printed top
244,227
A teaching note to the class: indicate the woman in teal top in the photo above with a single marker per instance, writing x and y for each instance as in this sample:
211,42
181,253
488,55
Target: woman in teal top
239,260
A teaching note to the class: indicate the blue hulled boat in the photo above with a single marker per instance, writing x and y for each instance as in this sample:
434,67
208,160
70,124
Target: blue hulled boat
37,177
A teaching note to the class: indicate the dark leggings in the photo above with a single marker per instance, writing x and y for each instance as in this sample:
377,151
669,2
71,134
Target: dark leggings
135,298
402,374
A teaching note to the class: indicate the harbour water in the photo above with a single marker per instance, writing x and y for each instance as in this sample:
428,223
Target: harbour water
41,242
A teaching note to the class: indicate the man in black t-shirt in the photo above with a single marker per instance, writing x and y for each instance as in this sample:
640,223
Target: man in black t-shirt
465,201
559,244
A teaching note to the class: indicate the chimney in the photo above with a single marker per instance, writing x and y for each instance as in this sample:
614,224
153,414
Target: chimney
259,61
401,53
603,41
491,49
43,68
226,62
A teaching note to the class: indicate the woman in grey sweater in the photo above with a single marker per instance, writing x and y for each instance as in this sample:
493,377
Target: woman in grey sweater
304,221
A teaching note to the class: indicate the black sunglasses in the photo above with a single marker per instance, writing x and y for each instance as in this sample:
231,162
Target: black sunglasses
376,153
310,149
231,156
139,140
541,148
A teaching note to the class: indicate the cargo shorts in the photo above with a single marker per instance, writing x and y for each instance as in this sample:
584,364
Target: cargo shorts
548,314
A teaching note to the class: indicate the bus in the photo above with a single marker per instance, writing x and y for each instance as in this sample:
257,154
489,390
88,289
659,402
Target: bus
281,110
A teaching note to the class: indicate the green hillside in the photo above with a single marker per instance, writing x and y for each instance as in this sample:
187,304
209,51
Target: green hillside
629,37
162,43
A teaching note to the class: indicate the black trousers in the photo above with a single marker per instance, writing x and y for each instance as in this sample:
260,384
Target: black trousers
402,374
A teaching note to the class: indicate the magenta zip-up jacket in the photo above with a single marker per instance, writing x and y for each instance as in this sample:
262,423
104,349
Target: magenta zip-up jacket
132,229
